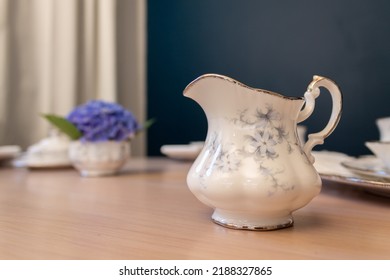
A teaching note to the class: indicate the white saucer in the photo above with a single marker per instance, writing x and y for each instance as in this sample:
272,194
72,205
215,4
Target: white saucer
8,152
368,166
49,165
182,152
55,163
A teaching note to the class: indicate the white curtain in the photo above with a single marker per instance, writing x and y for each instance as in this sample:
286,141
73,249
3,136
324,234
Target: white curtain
56,54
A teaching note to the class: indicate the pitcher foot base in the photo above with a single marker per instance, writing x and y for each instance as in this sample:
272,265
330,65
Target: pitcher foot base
237,221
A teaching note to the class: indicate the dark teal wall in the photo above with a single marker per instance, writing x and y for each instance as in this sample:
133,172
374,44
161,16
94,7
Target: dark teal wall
275,45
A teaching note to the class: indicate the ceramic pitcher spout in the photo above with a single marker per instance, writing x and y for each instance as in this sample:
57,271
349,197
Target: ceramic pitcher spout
219,94
196,84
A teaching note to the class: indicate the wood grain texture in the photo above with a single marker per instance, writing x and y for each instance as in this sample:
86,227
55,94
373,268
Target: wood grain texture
147,212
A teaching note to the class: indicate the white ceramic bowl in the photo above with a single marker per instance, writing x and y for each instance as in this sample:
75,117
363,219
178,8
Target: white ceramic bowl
381,150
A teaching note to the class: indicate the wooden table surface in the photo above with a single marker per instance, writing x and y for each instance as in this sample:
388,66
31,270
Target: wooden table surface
147,212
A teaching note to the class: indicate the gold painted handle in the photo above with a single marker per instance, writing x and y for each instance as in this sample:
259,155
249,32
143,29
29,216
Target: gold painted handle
313,91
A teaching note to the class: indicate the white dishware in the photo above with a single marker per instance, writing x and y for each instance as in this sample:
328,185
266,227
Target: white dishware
182,152
95,159
352,172
301,130
368,166
253,169
383,125
329,163
9,151
49,152
381,150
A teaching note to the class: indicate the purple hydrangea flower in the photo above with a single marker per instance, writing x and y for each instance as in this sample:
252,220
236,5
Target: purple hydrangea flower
102,121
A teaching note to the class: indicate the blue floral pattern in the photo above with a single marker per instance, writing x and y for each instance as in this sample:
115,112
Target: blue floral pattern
263,134
268,132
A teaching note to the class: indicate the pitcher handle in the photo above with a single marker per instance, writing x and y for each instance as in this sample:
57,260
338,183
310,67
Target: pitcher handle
311,94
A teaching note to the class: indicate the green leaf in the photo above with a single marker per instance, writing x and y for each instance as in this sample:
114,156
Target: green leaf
64,126
146,125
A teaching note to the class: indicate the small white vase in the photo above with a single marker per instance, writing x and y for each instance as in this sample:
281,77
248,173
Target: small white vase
94,159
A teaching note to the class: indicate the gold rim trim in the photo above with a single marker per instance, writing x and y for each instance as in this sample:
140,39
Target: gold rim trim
287,224
231,80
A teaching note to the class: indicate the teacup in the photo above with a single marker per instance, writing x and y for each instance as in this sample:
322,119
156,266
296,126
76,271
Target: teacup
381,150
301,130
383,125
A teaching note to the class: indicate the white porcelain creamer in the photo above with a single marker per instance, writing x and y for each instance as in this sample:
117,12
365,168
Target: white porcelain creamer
252,169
